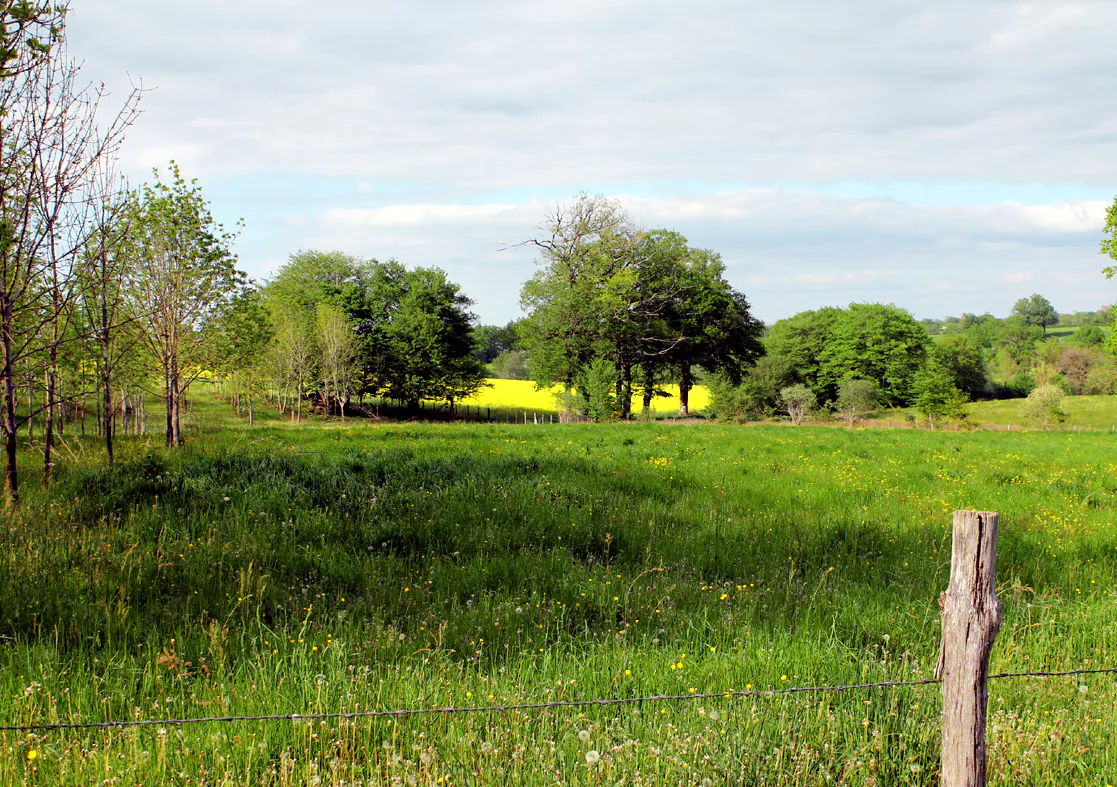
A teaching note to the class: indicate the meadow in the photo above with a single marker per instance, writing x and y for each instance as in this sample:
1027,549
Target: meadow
328,567
1083,412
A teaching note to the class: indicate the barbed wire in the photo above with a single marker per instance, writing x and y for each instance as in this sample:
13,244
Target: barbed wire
557,704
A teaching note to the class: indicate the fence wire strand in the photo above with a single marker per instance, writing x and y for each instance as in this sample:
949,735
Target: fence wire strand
558,704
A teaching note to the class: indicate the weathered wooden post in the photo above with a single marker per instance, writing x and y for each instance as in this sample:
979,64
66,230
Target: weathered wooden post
971,618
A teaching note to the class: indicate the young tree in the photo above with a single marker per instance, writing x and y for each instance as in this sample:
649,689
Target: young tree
935,394
50,142
184,275
798,402
1043,407
337,344
856,399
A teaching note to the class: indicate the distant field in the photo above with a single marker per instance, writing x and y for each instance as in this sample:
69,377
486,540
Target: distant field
511,395
1086,412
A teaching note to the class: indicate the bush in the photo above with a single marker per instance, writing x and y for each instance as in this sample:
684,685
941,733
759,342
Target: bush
798,401
856,399
1043,407
597,385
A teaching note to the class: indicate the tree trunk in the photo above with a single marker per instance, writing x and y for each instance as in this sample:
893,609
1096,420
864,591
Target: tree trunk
169,397
11,475
626,389
48,431
686,382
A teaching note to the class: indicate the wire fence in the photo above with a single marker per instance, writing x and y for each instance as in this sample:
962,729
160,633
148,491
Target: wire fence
538,706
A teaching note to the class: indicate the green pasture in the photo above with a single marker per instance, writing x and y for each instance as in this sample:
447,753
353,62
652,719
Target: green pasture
1084,412
321,567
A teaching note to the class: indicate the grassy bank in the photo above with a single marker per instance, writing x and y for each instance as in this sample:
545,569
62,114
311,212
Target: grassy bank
323,568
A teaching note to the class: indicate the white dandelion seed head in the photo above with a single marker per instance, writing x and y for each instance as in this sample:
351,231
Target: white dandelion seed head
583,735
592,756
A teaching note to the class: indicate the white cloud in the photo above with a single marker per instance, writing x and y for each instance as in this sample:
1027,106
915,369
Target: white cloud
420,130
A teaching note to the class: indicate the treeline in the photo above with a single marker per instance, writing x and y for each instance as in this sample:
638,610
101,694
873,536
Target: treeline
867,355
342,328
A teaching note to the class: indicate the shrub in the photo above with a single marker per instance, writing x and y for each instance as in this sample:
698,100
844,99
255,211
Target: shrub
798,401
856,399
1043,407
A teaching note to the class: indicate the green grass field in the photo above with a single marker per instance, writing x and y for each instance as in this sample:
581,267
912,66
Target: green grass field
1084,412
290,569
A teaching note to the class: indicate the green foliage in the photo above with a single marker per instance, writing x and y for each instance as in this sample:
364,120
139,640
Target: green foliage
490,341
597,385
411,328
1036,311
856,399
510,365
1018,341
1044,407
643,298
936,396
798,401
801,339
963,362
1090,335
871,341
1109,244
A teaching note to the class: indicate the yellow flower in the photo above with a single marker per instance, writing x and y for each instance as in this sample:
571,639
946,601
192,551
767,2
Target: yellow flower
783,677
32,754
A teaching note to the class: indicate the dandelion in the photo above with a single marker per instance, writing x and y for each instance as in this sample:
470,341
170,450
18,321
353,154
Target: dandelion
33,754
583,735
783,677
1082,689
592,756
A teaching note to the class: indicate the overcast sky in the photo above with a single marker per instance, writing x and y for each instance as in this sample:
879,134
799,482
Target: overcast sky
945,157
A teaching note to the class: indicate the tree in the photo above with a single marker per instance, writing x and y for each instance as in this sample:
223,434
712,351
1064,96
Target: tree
1036,311
801,339
963,362
798,402
646,299
1018,341
871,341
576,245
710,325
242,332
1109,244
935,394
856,399
336,343
596,385
50,143
184,274
1043,407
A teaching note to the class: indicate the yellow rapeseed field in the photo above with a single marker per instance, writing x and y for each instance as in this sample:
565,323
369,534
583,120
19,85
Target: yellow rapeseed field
522,395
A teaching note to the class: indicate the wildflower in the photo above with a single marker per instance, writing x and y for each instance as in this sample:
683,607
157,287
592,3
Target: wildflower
783,677
33,754
1082,689
583,735
592,756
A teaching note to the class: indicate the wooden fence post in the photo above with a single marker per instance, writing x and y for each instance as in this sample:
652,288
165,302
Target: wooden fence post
971,618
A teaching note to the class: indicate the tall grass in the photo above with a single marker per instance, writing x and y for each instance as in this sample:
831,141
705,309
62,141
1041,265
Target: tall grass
324,568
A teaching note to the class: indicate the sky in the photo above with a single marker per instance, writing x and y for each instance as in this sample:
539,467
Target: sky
946,157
